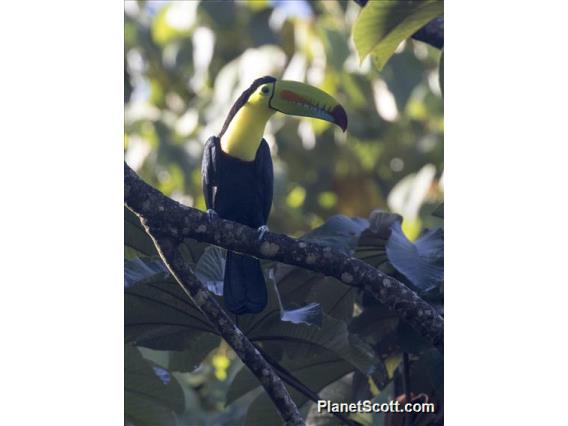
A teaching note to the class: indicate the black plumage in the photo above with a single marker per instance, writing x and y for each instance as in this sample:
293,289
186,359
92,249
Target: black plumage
240,191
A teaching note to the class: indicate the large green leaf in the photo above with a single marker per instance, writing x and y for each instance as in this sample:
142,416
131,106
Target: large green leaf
342,390
305,348
299,340
298,286
157,313
316,370
421,261
339,231
151,394
262,410
383,24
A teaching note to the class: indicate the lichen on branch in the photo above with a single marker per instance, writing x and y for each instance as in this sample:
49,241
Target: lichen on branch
166,218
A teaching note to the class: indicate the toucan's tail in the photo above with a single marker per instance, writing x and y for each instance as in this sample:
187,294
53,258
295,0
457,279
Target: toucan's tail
244,289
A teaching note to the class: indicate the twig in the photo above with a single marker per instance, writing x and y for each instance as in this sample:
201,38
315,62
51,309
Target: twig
167,218
294,382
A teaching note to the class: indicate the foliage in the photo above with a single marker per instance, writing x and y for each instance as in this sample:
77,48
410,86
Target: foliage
186,63
159,316
383,24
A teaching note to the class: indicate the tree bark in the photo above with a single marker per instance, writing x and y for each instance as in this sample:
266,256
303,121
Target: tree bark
169,219
243,347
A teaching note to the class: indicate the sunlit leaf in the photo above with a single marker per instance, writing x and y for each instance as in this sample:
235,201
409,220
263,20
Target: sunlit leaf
257,5
327,199
171,23
383,24
296,197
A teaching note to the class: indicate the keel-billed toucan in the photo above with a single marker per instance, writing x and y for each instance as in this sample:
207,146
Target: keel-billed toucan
238,177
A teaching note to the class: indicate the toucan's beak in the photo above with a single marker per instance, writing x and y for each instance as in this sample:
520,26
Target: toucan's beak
295,98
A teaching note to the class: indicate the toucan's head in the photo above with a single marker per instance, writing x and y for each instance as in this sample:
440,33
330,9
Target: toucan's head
269,95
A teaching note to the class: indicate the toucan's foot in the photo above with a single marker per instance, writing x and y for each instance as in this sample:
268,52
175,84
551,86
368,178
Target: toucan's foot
212,214
261,231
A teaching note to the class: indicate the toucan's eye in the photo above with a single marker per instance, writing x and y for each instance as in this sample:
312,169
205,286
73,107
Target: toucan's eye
265,90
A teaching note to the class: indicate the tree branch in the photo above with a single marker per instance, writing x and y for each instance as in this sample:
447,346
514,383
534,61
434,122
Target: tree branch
167,218
246,351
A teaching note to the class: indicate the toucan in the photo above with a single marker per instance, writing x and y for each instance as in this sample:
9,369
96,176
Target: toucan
237,173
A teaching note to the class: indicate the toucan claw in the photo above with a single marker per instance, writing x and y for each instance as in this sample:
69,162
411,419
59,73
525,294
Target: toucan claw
212,214
262,230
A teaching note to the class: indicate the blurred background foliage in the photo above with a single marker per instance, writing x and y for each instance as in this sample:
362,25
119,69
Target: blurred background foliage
186,62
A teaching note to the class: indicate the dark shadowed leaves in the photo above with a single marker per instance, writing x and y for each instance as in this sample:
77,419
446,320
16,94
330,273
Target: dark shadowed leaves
210,269
340,232
151,394
316,370
421,262
157,313
371,247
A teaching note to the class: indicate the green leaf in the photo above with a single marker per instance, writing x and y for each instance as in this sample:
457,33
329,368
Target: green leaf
157,313
336,45
136,241
163,32
151,394
299,340
421,261
340,232
316,376
298,286
316,370
383,24
311,353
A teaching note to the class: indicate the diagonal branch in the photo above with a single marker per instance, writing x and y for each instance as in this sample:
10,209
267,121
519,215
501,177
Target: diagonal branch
168,218
247,352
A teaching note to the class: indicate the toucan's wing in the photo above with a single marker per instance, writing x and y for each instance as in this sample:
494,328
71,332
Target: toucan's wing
265,175
208,178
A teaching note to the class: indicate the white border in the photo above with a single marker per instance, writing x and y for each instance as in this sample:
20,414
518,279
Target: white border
61,307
